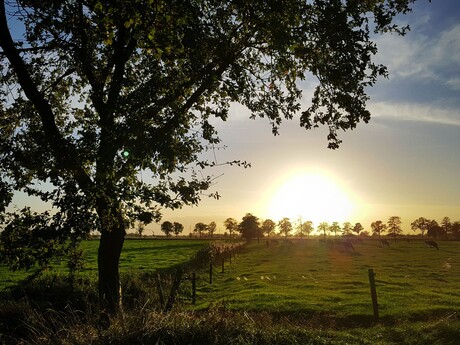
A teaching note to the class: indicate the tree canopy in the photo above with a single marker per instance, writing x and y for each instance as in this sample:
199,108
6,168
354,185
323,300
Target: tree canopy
96,95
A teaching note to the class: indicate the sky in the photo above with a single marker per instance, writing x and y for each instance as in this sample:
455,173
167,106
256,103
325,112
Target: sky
405,162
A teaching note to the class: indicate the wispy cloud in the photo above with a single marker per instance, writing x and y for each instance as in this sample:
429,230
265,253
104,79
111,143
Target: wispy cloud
425,58
415,112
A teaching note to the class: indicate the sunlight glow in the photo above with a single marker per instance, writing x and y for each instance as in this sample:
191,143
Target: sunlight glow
310,196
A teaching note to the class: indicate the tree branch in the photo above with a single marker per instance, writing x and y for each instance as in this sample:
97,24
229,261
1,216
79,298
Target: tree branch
64,153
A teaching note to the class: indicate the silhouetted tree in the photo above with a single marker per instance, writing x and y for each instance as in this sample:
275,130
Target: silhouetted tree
347,228
231,225
167,228
358,228
307,227
140,228
421,224
378,227
434,230
285,226
249,227
177,228
212,228
455,230
335,228
200,228
446,225
268,226
394,226
324,227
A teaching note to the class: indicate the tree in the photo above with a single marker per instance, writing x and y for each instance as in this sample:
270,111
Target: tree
335,228
394,226
200,228
434,230
177,228
446,225
140,228
249,227
268,226
358,228
378,227
421,224
106,89
285,226
324,227
307,227
347,228
212,228
231,225
455,230
167,227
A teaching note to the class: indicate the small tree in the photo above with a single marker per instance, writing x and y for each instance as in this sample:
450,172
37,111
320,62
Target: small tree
212,228
358,228
307,227
394,226
167,228
200,228
268,226
177,228
434,230
335,228
249,227
324,227
285,226
378,227
231,225
446,224
347,229
421,224
455,230
140,228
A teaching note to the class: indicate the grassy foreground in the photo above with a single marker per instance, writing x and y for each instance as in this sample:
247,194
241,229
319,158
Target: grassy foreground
294,292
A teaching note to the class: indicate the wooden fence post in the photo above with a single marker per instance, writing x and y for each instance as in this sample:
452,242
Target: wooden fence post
375,305
160,290
210,272
193,288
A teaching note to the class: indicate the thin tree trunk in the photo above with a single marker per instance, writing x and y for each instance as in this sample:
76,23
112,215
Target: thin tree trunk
109,252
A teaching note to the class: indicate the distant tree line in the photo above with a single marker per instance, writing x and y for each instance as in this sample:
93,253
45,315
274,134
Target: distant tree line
252,227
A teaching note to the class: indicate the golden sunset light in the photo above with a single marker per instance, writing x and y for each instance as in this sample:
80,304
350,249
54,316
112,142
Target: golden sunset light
310,196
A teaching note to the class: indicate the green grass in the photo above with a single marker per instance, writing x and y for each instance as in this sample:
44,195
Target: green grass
296,292
137,254
309,278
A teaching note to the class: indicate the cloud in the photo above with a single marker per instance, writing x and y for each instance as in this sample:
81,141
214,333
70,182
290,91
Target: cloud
421,57
415,112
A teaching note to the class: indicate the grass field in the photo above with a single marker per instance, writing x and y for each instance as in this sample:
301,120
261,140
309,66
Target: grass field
145,254
292,292
305,276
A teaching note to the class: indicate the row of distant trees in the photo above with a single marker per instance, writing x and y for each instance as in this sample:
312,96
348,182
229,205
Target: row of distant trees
252,227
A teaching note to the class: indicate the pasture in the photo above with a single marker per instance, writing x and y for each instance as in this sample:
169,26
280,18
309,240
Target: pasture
308,277
294,291
138,254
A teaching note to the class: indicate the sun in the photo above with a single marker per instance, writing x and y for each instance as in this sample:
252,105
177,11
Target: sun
316,197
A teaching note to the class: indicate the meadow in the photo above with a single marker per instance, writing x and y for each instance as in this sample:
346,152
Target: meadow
306,276
292,291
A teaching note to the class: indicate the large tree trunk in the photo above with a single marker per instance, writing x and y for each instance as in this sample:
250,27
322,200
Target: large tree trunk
109,252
